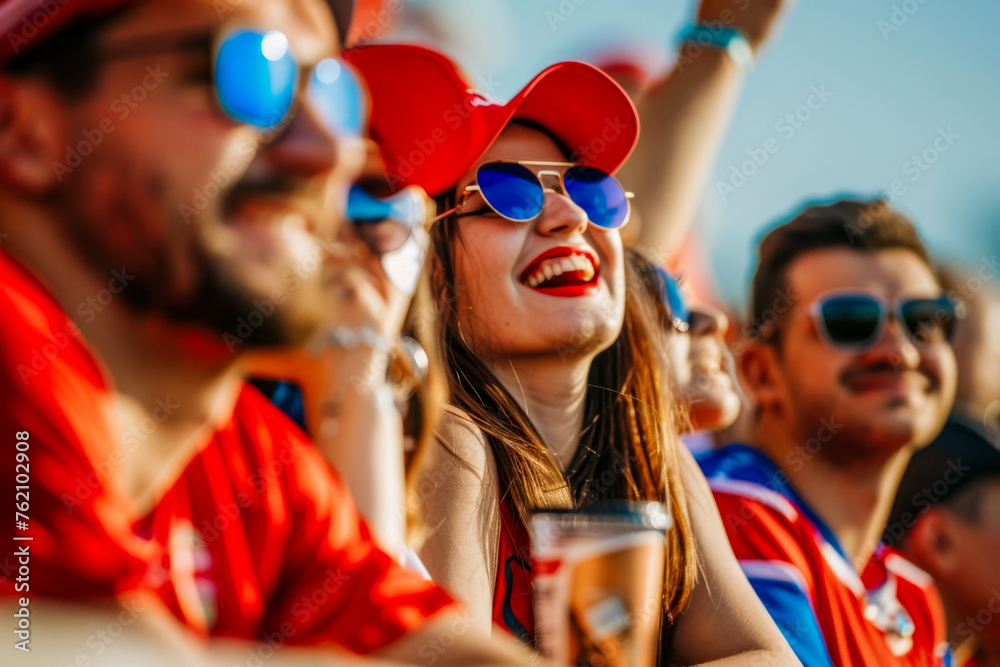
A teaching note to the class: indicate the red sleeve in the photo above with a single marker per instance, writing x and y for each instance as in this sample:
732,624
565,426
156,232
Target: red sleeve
52,394
337,586
758,531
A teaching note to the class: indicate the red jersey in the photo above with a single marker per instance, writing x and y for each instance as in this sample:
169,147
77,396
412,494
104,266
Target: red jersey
256,539
889,614
512,608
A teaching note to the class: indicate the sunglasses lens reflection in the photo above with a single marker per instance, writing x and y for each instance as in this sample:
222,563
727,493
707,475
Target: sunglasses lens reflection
851,320
929,320
337,92
597,193
511,189
255,77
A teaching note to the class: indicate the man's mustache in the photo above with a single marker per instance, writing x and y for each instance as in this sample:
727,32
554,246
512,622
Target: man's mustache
275,186
852,374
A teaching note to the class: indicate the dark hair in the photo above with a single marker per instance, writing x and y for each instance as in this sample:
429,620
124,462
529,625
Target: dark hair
68,60
968,503
865,226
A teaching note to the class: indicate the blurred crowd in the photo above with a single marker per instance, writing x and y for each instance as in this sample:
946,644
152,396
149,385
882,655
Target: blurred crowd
300,329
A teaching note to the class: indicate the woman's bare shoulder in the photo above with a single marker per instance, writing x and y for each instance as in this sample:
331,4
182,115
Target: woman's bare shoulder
461,441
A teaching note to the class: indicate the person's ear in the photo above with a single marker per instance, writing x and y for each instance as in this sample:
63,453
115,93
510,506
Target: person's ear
32,141
932,543
759,374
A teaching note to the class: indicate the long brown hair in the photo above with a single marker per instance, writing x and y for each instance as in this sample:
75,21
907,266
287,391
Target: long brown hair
628,447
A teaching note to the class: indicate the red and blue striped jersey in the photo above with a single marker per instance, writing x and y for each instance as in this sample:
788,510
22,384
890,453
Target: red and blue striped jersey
888,614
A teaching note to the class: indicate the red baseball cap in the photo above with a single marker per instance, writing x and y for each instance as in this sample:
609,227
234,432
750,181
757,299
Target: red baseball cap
432,126
24,23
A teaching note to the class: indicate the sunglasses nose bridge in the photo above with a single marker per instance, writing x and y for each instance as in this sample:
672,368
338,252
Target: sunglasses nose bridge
896,343
561,215
554,179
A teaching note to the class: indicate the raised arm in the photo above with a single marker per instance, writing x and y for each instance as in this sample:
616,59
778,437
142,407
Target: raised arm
684,119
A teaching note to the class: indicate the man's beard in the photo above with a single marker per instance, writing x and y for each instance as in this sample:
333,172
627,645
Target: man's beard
218,302
221,305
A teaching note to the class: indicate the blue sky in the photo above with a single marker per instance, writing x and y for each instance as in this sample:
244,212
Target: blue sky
889,96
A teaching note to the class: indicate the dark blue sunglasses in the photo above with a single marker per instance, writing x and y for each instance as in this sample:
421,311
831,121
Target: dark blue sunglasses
516,193
673,299
857,320
257,78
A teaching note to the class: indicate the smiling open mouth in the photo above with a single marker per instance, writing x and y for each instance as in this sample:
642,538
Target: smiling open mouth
563,272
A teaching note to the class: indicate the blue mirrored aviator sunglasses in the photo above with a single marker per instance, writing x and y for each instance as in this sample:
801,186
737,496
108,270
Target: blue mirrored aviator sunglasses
516,193
257,77
672,297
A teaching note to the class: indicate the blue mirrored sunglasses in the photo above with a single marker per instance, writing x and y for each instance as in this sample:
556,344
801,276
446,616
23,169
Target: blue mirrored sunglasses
384,223
393,228
515,192
673,299
256,79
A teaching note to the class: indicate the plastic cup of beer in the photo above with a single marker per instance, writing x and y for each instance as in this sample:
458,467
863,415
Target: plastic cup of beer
598,583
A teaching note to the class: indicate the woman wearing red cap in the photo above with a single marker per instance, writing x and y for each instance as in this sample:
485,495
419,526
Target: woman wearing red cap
555,377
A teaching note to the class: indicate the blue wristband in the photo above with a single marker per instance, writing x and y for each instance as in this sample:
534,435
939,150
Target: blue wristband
722,37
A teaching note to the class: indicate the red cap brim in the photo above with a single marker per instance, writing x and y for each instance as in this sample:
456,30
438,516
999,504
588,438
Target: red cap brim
432,127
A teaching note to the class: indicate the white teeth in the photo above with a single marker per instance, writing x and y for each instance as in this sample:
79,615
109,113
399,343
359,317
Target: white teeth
550,268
